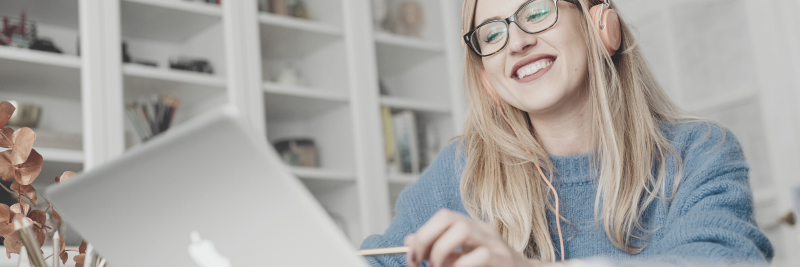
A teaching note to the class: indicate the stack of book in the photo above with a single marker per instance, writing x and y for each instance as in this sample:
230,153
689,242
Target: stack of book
152,116
411,142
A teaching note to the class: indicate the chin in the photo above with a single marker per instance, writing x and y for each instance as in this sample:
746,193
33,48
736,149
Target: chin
540,101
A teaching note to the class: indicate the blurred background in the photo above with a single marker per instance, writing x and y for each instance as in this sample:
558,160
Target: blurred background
358,96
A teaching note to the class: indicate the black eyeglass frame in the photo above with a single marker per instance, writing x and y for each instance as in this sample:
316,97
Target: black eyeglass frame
507,22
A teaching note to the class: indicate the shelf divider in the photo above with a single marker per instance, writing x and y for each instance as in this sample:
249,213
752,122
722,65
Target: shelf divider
416,105
174,75
322,174
303,91
40,57
60,155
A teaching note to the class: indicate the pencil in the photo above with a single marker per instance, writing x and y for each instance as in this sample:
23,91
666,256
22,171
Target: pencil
384,251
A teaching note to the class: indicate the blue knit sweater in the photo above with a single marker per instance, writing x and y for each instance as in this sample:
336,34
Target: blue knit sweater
710,218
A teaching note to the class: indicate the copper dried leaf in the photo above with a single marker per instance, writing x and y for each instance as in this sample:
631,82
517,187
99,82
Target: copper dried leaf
28,171
8,228
56,216
38,216
13,244
65,176
7,170
5,137
27,191
63,253
41,235
23,143
25,208
5,213
6,110
78,259
82,247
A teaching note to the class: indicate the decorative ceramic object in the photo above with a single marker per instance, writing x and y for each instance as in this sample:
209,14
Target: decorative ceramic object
290,76
298,152
297,9
280,7
27,114
411,18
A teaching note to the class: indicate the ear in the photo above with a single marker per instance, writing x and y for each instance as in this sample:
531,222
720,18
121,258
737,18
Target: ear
496,101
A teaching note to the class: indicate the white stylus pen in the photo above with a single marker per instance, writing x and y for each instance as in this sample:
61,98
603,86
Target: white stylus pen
384,251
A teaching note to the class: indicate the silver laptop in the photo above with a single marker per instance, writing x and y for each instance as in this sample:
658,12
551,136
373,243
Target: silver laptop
207,193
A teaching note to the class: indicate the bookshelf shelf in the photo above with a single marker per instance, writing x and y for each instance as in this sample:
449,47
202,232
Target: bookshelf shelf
311,26
322,174
394,41
415,105
40,73
288,37
304,92
171,75
289,106
60,155
39,57
167,20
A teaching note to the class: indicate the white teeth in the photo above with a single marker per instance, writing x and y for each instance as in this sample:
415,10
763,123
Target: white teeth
532,68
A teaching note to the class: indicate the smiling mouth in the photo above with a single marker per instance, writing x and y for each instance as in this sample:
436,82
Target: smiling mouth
533,67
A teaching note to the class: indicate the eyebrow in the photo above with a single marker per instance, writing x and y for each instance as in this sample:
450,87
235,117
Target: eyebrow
489,19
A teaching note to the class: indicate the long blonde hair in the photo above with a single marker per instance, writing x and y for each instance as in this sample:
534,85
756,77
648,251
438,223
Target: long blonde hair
501,187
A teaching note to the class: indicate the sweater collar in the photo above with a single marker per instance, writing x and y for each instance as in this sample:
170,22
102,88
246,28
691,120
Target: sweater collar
572,169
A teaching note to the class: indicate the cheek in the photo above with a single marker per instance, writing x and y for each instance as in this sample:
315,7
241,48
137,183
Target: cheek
494,71
493,68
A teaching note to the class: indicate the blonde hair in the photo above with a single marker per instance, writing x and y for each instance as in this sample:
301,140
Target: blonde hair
501,187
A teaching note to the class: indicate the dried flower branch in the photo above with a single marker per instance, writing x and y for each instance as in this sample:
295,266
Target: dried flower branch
81,257
22,164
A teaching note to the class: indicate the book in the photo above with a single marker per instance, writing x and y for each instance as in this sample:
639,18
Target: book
152,116
388,134
407,145
428,141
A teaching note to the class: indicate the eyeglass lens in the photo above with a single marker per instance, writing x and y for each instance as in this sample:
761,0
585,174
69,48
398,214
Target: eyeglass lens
533,17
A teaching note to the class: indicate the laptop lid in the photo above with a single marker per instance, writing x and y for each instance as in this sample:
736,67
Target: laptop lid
207,183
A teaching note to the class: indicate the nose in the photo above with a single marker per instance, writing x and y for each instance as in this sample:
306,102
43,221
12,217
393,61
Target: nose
520,41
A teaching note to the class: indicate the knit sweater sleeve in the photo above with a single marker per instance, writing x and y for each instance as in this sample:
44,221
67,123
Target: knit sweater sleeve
711,217
416,204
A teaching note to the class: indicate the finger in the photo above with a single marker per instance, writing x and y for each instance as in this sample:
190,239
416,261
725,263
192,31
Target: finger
454,237
451,259
411,260
475,258
431,230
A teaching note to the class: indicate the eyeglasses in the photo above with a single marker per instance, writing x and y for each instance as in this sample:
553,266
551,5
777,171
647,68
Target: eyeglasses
534,16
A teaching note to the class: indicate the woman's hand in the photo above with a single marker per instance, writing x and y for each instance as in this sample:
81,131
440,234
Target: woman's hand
480,244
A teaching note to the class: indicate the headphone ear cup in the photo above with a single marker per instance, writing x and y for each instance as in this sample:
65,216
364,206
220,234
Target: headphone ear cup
610,34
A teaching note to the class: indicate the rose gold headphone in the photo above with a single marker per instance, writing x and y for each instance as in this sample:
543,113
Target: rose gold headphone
606,22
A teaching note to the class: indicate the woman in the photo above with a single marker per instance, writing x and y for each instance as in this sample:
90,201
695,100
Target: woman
627,176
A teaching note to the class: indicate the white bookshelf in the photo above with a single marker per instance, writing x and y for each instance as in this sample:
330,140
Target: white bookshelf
171,21
61,155
320,174
415,105
340,55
